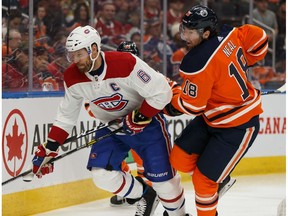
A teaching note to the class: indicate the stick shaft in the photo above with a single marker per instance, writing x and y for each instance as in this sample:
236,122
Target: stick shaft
87,132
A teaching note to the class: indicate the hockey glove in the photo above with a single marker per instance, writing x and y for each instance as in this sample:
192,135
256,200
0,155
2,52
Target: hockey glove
135,122
171,111
43,155
176,90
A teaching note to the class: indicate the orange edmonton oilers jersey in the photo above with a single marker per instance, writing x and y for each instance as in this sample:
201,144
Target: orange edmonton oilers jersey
214,77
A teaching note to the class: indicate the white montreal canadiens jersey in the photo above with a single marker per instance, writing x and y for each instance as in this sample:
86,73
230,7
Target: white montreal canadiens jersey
121,88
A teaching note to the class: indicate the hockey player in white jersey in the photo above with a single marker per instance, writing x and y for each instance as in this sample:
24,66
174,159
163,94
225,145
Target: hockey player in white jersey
118,86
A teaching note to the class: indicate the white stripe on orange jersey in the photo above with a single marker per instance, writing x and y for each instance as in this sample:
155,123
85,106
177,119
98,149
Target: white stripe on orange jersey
260,53
258,42
241,150
232,118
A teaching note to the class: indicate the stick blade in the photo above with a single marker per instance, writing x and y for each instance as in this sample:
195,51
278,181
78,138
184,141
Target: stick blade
282,89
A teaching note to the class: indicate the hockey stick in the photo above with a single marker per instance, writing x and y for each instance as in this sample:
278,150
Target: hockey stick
92,142
87,132
280,90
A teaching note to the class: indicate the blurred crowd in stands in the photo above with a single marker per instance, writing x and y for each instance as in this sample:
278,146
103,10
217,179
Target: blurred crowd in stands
116,21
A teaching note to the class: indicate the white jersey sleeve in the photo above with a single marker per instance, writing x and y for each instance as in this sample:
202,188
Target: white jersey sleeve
151,85
68,110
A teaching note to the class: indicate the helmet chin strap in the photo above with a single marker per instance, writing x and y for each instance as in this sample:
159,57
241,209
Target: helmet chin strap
93,61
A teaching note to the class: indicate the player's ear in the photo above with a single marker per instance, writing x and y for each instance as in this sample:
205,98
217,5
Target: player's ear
206,34
94,50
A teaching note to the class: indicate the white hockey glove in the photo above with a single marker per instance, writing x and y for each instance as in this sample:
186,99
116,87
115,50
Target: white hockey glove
43,155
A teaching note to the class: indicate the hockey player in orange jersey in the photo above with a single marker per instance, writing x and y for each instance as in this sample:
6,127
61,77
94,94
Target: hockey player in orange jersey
215,89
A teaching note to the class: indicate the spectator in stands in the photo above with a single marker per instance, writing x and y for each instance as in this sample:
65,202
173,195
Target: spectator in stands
14,39
175,12
134,5
154,46
267,77
281,38
152,10
15,21
59,65
42,75
67,14
40,37
15,73
106,24
133,22
268,18
53,19
265,16
12,80
228,11
60,37
177,56
122,10
81,16
135,36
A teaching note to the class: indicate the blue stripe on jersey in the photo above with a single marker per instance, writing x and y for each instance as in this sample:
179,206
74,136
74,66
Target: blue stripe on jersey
131,186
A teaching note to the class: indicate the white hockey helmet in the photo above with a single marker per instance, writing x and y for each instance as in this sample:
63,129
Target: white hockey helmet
83,37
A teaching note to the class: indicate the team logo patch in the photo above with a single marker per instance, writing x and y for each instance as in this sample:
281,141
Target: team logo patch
203,13
143,76
113,103
14,142
93,155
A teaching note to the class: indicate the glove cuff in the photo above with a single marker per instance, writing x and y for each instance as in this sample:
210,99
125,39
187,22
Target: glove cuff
148,110
139,118
52,146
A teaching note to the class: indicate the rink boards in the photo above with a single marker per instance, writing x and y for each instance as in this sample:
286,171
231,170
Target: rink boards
26,122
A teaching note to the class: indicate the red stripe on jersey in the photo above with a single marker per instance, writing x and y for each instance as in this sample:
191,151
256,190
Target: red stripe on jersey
166,134
172,200
148,110
119,64
121,187
58,134
72,76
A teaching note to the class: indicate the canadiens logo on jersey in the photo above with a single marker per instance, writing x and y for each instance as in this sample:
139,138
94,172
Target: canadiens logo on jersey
114,102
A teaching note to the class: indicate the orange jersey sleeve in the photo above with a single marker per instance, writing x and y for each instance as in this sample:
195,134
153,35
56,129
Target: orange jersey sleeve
254,42
214,77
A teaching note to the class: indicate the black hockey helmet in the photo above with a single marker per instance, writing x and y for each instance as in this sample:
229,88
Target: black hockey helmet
128,46
200,17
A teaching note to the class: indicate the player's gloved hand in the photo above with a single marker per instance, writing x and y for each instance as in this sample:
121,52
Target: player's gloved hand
176,90
43,155
171,111
135,122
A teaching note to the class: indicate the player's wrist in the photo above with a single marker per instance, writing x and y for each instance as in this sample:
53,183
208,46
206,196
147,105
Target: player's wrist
58,134
52,146
148,110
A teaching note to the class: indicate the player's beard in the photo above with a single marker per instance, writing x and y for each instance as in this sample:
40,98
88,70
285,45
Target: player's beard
85,67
